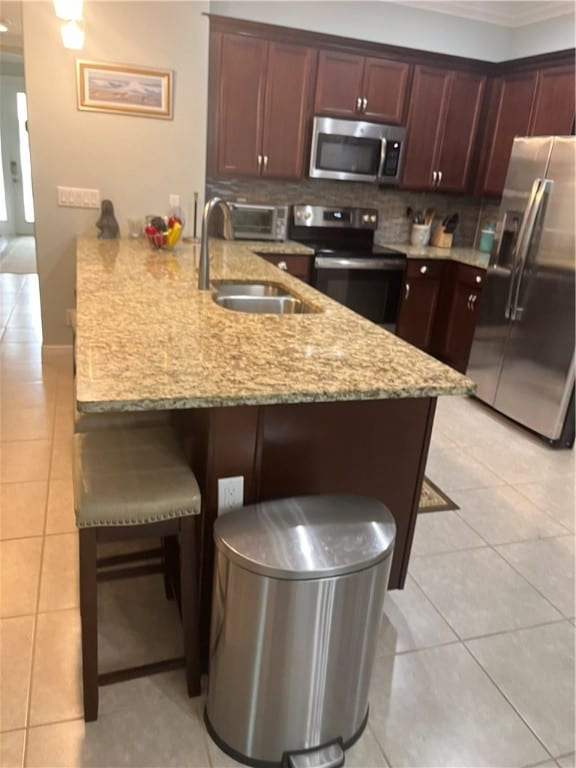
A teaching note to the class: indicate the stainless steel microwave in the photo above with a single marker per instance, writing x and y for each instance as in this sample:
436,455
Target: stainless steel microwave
351,150
253,221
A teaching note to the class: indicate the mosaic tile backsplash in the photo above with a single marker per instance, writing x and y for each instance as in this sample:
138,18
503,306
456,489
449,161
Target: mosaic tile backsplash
394,225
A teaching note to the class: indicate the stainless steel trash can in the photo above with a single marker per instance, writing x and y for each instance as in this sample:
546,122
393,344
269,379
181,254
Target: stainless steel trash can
299,587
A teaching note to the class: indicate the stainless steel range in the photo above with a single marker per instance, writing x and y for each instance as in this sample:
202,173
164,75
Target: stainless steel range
348,266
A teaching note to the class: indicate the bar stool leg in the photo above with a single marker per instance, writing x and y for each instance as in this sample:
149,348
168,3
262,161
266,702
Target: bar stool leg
189,593
89,620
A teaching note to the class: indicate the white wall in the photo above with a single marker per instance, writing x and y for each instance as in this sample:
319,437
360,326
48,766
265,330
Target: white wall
134,161
557,34
393,24
378,22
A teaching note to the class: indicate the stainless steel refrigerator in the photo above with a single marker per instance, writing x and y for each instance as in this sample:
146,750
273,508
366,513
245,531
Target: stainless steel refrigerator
522,357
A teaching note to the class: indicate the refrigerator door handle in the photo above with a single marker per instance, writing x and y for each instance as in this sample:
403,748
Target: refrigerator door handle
522,245
543,191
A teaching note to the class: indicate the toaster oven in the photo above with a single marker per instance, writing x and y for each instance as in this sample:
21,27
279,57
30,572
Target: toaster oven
253,221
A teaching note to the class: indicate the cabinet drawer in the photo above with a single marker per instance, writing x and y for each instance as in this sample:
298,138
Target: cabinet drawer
473,277
428,268
298,265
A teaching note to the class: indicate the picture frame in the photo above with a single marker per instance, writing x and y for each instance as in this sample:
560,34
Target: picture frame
124,90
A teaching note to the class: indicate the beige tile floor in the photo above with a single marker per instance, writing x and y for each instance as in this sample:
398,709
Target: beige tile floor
475,661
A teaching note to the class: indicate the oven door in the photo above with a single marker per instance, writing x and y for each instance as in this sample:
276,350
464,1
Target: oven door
370,286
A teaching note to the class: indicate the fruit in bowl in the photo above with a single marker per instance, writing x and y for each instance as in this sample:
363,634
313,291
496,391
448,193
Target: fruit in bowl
164,232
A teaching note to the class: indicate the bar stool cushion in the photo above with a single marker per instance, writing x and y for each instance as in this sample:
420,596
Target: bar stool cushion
89,422
132,477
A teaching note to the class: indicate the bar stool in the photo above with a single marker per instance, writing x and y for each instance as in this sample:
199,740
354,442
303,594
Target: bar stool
130,484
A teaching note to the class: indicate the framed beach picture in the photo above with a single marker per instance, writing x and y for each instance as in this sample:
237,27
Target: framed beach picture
124,89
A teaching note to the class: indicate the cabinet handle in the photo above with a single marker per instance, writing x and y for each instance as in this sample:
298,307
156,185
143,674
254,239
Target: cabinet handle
406,291
283,265
478,279
474,297
468,304
439,179
364,104
434,176
359,104
265,163
259,163
423,269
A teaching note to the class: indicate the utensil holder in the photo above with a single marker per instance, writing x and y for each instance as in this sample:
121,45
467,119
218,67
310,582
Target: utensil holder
441,239
420,234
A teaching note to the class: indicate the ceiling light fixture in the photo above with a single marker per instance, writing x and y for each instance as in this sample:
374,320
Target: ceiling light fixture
73,35
69,10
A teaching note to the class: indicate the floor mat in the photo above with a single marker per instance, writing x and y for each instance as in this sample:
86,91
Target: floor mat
432,499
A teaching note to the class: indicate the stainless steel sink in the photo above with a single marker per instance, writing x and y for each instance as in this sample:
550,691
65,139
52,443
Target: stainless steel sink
249,289
265,305
259,298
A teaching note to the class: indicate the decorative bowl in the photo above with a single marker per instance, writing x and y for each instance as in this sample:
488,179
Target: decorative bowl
164,233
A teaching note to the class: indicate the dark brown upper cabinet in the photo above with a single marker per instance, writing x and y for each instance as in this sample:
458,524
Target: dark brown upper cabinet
553,108
534,103
509,116
442,126
262,105
351,86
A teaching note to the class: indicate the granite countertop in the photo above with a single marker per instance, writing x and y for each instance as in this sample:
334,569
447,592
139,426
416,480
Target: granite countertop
469,256
147,338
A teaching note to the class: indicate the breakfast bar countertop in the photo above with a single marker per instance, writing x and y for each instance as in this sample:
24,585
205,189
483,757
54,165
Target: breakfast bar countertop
147,338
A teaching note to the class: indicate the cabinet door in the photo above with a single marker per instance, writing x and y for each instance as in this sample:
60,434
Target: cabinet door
460,130
286,110
241,102
297,265
457,314
511,108
338,84
418,309
428,104
460,329
553,111
384,90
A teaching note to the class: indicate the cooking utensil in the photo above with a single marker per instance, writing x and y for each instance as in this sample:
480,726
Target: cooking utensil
452,223
428,215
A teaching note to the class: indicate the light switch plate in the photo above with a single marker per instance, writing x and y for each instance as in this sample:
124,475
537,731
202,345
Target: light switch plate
78,197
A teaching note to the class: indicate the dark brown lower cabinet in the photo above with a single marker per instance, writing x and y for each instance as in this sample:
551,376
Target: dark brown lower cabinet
417,313
297,265
374,448
439,309
457,313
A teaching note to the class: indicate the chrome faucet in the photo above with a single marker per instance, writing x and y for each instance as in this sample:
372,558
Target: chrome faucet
204,266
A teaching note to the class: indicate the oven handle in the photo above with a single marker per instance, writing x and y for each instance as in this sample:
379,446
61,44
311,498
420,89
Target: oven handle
338,262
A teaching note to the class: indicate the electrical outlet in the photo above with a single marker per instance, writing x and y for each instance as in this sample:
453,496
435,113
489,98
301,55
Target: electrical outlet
230,493
174,201
77,197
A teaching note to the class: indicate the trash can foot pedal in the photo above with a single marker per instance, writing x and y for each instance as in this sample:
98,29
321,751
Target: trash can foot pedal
328,756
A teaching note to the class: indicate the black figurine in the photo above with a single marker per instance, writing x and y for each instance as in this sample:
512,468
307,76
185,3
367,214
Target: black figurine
107,224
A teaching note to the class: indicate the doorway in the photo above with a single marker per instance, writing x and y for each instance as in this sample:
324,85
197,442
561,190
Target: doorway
17,243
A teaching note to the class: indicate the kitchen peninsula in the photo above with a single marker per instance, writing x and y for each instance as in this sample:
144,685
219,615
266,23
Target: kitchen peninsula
318,402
